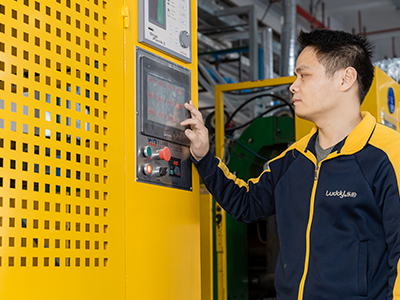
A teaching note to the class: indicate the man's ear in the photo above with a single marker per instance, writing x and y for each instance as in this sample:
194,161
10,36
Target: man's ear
349,77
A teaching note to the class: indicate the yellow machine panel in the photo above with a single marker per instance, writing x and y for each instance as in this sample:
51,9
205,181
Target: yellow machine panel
74,222
382,101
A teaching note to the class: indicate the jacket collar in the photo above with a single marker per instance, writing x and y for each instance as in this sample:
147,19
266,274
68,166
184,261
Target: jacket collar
353,143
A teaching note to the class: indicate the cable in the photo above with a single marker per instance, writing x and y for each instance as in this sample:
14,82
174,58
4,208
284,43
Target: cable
207,107
259,116
245,147
266,11
256,97
248,93
226,154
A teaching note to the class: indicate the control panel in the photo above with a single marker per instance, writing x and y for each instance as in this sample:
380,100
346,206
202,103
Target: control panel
163,163
162,148
166,25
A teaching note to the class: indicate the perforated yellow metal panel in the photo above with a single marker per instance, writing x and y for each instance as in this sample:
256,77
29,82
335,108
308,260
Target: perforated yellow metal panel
61,102
162,223
74,223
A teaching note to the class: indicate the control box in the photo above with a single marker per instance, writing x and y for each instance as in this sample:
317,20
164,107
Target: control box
165,25
162,148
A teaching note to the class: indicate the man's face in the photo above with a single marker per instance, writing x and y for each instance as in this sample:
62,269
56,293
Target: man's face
314,93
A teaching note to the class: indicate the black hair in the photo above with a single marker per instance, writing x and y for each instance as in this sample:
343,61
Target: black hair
338,50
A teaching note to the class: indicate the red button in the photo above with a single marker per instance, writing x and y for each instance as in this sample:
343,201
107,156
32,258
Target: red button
165,154
147,169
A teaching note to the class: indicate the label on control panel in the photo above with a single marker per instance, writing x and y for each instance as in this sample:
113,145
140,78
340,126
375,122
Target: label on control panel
166,25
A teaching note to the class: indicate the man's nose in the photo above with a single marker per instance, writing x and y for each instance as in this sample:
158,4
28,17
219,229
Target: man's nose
294,88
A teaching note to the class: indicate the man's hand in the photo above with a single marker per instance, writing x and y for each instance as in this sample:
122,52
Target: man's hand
198,135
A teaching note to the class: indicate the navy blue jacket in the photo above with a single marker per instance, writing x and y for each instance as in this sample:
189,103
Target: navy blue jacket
338,221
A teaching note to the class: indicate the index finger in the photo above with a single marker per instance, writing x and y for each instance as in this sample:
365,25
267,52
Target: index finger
194,111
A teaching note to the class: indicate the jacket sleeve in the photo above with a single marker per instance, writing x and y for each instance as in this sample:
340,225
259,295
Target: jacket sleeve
387,191
245,201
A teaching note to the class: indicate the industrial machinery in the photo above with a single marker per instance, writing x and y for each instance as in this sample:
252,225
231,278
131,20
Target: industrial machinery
246,253
98,199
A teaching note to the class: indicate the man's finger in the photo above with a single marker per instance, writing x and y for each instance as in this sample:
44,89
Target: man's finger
194,111
192,122
194,139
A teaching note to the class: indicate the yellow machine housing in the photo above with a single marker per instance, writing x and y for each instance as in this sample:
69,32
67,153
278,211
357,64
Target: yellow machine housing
74,222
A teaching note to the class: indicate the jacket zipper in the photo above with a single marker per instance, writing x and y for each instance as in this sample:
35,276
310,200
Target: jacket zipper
308,234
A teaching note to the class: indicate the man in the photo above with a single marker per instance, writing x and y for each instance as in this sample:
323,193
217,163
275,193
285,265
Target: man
335,192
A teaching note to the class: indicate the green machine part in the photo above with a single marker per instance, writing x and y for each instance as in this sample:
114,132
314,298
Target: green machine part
267,137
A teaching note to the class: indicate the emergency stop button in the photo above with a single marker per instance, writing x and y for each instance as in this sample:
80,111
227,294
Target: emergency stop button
163,154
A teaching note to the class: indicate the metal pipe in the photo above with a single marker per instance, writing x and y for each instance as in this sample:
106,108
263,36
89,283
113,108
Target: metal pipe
383,31
250,10
268,67
302,12
253,43
288,37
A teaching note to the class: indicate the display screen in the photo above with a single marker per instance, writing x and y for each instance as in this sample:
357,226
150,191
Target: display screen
165,102
157,12
165,88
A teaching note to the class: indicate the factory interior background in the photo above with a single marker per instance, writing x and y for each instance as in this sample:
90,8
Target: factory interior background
98,196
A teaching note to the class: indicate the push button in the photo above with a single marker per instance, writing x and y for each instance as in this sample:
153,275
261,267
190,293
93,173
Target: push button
163,154
146,151
147,169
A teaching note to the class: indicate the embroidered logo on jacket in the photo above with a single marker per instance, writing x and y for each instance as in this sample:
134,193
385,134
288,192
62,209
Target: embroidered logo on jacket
341,194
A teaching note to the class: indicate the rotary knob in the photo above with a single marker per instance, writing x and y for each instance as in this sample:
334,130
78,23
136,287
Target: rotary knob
184,39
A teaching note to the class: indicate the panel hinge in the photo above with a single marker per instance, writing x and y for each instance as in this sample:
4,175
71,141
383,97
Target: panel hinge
125,15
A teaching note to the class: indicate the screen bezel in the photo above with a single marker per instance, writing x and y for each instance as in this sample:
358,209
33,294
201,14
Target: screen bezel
163,70
155,22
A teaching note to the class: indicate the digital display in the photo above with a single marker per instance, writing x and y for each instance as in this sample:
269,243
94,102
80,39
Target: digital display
164,89
157,12
165,102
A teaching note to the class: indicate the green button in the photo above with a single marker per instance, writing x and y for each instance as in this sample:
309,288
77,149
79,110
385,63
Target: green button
148,150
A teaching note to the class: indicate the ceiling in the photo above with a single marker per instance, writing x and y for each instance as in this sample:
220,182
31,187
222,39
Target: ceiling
378,19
